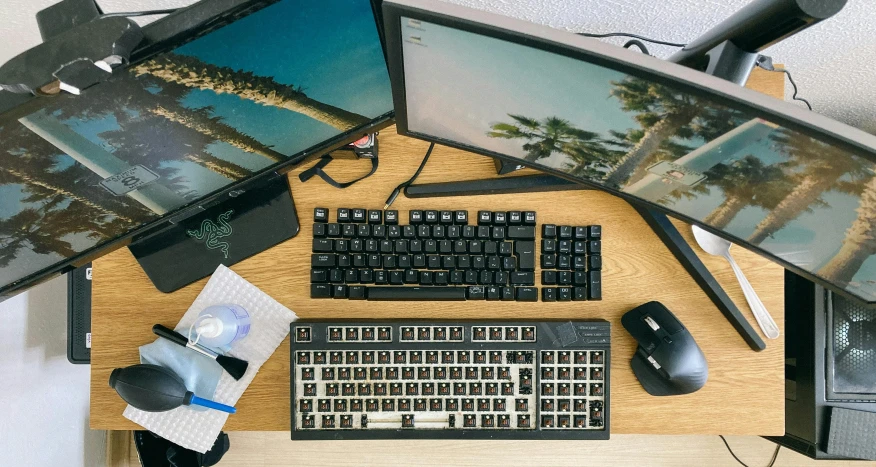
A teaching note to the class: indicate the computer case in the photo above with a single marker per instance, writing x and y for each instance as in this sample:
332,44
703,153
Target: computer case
830,361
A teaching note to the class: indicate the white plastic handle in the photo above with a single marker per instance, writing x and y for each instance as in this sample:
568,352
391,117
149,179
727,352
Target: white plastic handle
766,322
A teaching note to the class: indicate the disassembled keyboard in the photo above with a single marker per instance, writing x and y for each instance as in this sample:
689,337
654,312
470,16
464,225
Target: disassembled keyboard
438,255
443,379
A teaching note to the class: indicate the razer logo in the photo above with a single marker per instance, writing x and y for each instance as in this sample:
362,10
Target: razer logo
213,231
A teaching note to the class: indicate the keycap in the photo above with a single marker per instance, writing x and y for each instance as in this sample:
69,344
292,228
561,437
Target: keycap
594,247
319,230
415,217
476,293
548,294
322,245
485,217
520,232
430,217
357,215
499,218
522,278
579,293
357,293
529,218
579,233
595,262
374,216
595,232
515,217
343,215
323,260
390,217
446,217
527,294
320,291
548,277
416,293
461,217
549,231
525,252
320,215
565,232
594,285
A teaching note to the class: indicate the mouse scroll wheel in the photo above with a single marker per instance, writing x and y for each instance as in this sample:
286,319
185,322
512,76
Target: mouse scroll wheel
651,323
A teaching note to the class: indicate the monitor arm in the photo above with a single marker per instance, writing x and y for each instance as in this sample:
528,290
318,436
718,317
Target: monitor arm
730,49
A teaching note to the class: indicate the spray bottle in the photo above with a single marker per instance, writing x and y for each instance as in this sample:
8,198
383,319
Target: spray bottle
220,325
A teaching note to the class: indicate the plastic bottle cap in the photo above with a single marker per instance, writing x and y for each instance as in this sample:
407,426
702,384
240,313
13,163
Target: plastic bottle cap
210,327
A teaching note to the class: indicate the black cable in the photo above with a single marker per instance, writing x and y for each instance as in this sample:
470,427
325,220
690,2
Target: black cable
794,85
766,63
401,186
772,460
131,14
638,44
634,36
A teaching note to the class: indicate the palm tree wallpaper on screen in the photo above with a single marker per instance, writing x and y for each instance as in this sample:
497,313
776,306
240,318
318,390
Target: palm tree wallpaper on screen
213,111
783,181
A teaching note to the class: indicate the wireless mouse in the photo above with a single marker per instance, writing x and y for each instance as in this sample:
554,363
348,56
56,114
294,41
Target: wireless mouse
668,361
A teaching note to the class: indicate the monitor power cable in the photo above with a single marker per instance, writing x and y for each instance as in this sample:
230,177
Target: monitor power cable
772,460
410,181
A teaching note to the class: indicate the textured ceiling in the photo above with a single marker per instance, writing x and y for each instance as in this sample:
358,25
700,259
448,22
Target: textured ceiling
833,63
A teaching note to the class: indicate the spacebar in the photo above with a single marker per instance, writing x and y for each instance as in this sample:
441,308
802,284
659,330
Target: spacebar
416,293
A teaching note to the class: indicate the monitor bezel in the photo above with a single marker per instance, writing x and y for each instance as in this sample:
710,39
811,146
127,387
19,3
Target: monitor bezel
623,60
165,34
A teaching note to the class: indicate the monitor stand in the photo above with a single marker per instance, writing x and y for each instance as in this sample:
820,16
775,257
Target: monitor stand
241,224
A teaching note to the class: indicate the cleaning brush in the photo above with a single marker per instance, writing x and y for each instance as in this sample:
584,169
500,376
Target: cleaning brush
234,366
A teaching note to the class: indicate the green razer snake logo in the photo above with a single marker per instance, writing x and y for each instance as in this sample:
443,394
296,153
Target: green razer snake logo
213,231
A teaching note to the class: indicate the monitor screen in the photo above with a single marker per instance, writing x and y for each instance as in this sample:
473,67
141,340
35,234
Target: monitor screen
185,124
638,127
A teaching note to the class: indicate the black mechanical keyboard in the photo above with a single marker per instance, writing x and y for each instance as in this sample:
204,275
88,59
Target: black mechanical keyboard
438,255
443,379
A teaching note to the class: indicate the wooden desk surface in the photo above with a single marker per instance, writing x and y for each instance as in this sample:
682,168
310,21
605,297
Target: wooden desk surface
745,391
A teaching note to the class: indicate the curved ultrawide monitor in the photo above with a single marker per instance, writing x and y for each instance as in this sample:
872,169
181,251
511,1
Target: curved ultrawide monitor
788,183
256,87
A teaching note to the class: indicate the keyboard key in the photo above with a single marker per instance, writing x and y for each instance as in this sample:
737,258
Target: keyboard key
594,247
446,217
320,215
430,217
461,217
527,294
594,285
525,252
595,262
549,294
375,216
333,230
522,278
357,215
320,291
343,215
529,218
594,232
323,260
356,292
390,217
416,293
521,233
579,293
319,230
564,294
415,217
515,218
485,217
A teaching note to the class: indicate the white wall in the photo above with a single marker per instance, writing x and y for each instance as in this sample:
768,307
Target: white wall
44,419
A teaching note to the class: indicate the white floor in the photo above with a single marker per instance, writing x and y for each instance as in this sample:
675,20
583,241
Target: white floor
44,419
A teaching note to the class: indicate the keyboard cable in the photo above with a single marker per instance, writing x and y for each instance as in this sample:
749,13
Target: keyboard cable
403,185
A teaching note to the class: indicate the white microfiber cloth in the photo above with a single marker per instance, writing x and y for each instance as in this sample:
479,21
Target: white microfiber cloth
197,430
